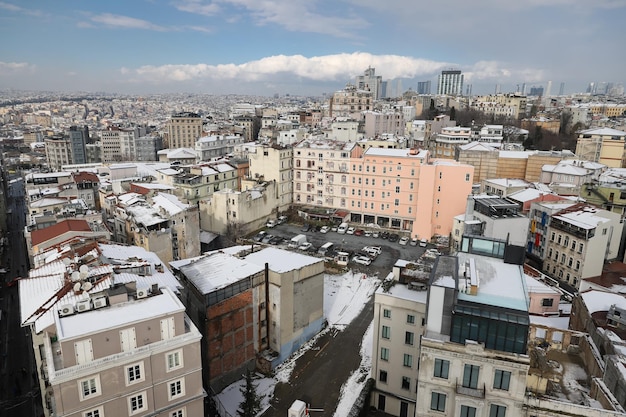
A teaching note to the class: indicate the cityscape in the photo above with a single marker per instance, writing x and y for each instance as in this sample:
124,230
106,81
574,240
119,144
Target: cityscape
312,209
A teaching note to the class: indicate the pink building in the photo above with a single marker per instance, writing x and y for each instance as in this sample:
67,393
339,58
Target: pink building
405,189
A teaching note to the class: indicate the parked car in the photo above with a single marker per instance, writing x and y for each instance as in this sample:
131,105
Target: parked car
334,228
403,241
413,242
368,233
374,249
324,229
393,237
282,219
343,227
384,235
267,238
306,227
271,223
259,236
362,260
376,234
423,243
276,240
350,230
305,246
359,232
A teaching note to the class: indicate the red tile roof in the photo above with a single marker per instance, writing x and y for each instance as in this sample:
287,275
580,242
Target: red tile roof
68,225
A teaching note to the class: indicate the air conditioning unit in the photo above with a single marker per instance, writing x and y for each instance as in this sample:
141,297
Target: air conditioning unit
99,302
142,293
66,310
83,306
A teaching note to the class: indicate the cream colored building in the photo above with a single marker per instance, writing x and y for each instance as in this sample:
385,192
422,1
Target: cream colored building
272,163
603,145
509,105
350,102
58,152
448,140
183,130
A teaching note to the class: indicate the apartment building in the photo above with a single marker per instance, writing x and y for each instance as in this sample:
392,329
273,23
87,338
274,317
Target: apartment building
449,140
58,151
580,239
379,123
508,105
216,146
473,359
608,191
570,176
273,163
602,145
371,82
321,174
450,82
110,336
399,318
350,102
118,144
197,182
254,308
183,130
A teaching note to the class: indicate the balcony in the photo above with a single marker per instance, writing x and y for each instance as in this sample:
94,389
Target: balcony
470,392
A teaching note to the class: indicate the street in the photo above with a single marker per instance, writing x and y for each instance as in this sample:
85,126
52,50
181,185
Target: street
19,388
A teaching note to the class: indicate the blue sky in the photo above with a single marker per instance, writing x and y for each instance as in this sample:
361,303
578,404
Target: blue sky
306,46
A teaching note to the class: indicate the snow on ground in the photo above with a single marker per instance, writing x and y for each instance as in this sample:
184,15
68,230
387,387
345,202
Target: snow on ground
344,298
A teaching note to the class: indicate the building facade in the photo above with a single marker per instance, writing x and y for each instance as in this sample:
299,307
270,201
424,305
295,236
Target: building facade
183,130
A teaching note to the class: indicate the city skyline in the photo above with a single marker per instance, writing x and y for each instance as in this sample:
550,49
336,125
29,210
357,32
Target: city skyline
306,48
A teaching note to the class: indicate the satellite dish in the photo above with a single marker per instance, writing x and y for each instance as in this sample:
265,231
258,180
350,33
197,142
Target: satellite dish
66,261
83,274
75,276
83,268
87,286
77,287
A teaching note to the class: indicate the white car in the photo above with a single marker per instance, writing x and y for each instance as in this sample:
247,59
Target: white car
423,243
362,260
270,223
372,250
305,246
324,229
403,241
350,230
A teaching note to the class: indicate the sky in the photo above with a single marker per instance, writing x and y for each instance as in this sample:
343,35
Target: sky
306,47
344,298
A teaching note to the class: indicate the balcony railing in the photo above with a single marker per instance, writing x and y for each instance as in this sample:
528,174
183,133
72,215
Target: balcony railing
471,392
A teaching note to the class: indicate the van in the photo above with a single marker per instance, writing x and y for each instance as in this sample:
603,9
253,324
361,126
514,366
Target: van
325,248
296,241
342,228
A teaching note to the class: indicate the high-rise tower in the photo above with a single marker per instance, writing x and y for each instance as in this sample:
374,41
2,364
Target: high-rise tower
450,82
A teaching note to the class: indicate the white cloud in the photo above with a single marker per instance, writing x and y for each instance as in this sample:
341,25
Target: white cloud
198,7
493,70
13,68
17,9
320,68
127,22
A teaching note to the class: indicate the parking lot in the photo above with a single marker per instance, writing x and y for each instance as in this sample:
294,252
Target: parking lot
391,251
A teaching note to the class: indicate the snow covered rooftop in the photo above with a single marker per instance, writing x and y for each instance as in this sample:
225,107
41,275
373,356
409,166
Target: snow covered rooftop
281,260
397,153
586,218
602,301
536,286
170,203
95,321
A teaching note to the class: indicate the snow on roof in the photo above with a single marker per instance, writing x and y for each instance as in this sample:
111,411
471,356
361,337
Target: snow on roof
556,322
527,195
218,270
516,154
130,198
536,286
182,153
603,131
154,186
45,202
586,218
168,171
280,260
500,284
508,182
145,215
170,203
565,169
207,237
398,153
95,321
222,167
401,291
602,301
477,146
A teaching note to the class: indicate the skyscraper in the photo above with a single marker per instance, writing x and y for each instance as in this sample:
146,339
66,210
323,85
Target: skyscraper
562,89
78,136
450,82
370,81
423,87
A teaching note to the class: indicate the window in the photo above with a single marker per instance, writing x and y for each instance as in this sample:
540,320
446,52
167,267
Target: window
467,411
176,389
438,401
502,380
137,403
382,376
467,178
397,190
96,412
442,367
410,319
409,338
406,382
89,387
497,411
174,360
178,413
408,360
386,313
384,354
134,373
547,302
386,333
470,376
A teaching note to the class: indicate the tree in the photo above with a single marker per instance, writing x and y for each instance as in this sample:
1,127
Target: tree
453,113
251,404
